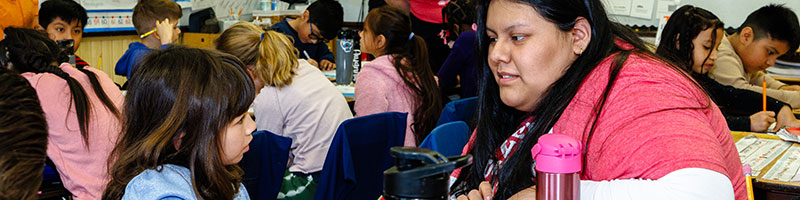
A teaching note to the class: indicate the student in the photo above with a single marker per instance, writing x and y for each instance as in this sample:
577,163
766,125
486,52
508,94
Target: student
185,128
648,132
381,87
294,99
81,107
64,20
460,67
319,23
148,15
18,13
767,33
23,138
700,32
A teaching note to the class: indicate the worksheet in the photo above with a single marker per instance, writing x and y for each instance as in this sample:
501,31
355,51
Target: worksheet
785,169
758,152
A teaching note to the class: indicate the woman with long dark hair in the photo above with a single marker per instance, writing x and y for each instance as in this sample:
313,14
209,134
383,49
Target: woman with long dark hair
81,106
399,79
690,39
561,66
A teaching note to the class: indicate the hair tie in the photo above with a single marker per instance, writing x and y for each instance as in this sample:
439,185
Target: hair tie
262,35
410,35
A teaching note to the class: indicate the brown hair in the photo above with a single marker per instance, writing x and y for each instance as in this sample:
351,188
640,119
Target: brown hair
146,12
411,61
186,93
272,54
23,138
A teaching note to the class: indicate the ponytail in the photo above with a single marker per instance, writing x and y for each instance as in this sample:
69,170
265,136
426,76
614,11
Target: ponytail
271,54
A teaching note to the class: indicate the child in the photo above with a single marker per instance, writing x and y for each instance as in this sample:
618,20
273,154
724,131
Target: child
647,131
294,99
399,79
23,137
460,67
64,20
767,33
700,34
319,23
81,106
185,128
149,15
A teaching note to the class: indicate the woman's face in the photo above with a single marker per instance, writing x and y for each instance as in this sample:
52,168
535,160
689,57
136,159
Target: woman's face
702,47
236,138
527,53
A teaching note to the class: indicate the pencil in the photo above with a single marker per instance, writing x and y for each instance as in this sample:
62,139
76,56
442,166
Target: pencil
148,33
306,53
749,181
764,95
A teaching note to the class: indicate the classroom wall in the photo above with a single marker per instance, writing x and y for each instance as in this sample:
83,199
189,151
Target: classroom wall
731,12
110,48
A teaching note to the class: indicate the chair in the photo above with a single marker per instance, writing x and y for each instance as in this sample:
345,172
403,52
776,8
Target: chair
358,155
458,110
448,139
265,164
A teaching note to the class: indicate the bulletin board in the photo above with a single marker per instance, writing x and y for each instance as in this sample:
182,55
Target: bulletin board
115,15
649,12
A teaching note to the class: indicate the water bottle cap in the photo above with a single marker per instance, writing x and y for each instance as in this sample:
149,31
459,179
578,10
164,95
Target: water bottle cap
557,153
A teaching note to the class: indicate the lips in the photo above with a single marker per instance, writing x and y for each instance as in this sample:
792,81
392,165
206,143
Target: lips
505,77
246,148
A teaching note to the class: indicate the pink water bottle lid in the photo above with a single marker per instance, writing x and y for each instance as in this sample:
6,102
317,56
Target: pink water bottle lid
557,153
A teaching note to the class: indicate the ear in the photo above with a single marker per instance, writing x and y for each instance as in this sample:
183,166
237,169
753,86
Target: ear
746,36
305,15
380,42
581,35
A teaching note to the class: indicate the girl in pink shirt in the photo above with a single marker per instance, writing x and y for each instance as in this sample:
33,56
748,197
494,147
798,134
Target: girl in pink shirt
649,132
81,107
399,79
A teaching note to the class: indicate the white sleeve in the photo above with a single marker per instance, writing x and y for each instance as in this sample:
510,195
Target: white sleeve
688,183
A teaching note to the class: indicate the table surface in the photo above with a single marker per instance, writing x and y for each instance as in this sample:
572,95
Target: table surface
764,183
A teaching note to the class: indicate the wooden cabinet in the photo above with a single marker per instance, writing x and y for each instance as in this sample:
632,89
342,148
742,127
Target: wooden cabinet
199,40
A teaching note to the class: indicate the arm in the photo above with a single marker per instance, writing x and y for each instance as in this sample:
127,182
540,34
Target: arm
731,98
688,183
323,53
738,123
370,93
771,82
727,72
452,66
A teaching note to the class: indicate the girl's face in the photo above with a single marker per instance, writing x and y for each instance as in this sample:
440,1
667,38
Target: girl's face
527,53
237,138
368,41
702,47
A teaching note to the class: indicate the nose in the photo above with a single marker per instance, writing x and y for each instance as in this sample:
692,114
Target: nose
771,61
499,52
713,56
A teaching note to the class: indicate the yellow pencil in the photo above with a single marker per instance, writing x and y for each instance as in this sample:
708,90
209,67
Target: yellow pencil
148,33
764,94
749,181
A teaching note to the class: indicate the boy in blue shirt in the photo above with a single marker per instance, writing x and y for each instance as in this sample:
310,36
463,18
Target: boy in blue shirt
767,33
319,23
156,22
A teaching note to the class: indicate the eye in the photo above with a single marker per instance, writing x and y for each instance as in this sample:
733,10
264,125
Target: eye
77,31
770,52
707,47
517,37
60,29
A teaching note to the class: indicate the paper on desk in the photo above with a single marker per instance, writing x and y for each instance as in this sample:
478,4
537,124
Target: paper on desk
786,136
785,169
758,152
347,90
330,73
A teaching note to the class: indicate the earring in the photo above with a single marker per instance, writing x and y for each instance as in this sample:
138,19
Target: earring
580,50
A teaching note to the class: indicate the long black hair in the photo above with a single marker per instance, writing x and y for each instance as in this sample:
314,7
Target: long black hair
32,51
410,55
683,26
496,121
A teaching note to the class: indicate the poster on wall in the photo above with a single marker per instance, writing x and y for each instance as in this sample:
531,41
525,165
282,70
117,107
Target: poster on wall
115,15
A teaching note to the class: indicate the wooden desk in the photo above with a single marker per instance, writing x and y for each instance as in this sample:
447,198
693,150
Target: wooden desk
787,80
770,189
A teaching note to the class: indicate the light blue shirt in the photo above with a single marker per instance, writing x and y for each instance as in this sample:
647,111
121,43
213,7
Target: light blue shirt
172,182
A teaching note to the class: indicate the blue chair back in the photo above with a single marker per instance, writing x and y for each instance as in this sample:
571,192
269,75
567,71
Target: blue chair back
359,154
265,164
458,110
448,139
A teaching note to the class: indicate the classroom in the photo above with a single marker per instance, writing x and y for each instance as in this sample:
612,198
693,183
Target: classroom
399,99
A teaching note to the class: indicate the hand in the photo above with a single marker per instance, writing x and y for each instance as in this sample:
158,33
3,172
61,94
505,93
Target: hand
527,193
484,191
164,31
313,62
790,87
760,121
326,65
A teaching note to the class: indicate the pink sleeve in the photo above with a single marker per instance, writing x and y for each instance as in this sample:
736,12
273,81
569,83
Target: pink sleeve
370,93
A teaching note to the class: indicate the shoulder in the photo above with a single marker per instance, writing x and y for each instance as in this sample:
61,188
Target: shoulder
170,182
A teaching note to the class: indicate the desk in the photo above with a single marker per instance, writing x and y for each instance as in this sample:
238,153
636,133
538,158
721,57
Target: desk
770,189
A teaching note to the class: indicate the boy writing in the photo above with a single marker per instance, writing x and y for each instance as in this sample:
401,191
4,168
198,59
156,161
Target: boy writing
766,34
320,22
156,22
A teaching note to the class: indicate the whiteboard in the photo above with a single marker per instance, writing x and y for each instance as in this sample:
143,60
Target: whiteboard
731,12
